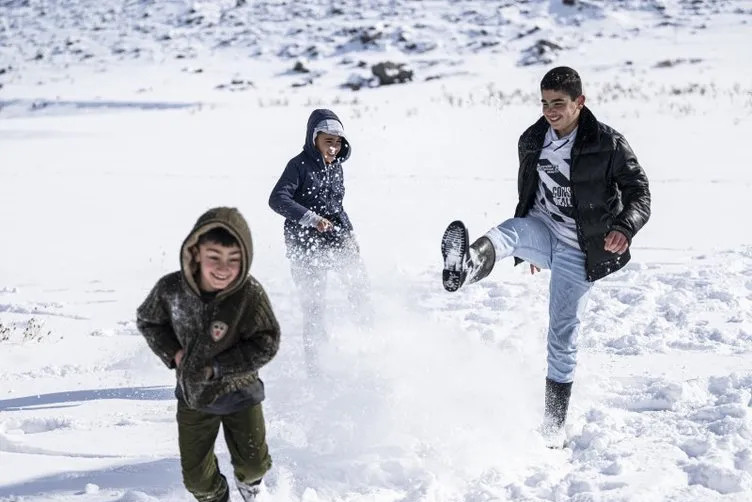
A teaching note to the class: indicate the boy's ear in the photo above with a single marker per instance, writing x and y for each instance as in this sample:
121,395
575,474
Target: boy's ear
194,253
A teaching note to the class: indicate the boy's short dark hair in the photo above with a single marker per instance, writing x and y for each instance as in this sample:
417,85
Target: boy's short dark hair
562,78
218,235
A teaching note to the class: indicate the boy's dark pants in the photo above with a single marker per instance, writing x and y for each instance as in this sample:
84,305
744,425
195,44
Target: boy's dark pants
245,435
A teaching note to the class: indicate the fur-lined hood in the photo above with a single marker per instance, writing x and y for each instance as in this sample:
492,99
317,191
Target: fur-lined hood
231,220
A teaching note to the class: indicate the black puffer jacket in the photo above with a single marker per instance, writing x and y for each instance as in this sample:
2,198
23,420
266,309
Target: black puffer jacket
609,188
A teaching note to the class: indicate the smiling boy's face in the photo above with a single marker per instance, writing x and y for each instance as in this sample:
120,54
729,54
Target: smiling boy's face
561,111
329,146
218,265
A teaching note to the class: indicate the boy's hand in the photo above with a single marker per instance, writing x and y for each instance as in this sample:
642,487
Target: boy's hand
179,357
208,372
534,269
616,242
324,225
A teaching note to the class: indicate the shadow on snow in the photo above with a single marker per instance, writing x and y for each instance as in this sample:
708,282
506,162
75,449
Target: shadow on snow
26,107
57,399
158,476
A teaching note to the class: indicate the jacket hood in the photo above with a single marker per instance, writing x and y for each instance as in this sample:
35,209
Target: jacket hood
315,118
231,220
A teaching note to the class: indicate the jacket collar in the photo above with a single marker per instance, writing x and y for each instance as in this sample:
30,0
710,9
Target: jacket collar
588,130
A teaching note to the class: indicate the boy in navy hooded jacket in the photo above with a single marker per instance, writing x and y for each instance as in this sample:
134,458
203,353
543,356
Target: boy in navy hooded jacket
318,233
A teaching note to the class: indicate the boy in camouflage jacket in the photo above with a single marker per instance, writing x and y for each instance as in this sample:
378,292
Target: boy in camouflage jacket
213,323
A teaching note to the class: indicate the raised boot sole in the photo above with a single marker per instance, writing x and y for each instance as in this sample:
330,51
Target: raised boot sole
454,249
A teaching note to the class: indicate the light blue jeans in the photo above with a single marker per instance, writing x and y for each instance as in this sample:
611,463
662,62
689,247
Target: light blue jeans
530,239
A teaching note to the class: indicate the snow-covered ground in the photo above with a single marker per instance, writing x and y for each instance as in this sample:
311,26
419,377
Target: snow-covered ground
134,119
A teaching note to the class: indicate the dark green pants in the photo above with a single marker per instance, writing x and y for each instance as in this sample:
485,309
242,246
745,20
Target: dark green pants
245,435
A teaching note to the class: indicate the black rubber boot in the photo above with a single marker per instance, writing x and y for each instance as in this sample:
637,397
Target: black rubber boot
555,414
455,245
482,259
464,262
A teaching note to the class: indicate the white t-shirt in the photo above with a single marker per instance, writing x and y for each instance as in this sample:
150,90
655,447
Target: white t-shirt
553,202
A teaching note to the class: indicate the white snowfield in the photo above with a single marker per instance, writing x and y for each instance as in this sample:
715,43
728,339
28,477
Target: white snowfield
121,122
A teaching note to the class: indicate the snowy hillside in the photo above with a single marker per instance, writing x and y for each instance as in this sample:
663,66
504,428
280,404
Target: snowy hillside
334,43
122,121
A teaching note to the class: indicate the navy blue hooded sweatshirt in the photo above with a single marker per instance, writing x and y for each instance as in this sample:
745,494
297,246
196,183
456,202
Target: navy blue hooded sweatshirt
307,183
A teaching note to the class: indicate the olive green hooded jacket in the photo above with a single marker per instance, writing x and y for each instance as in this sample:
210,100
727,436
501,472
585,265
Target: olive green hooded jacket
235,332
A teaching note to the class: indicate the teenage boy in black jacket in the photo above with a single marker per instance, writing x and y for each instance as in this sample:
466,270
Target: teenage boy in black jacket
582,198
